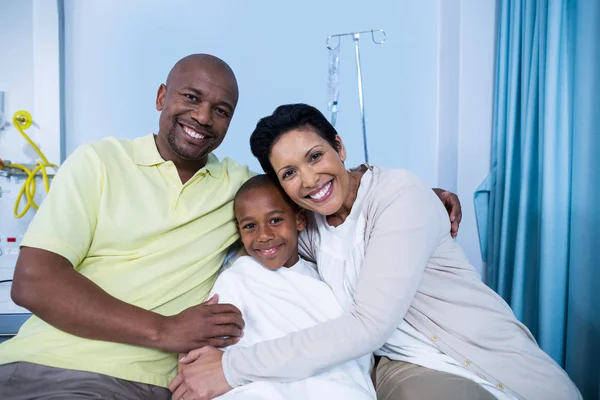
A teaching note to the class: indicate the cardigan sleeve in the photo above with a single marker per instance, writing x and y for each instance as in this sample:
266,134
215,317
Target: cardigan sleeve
404,233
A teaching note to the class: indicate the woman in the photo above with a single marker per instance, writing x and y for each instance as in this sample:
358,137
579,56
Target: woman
381,241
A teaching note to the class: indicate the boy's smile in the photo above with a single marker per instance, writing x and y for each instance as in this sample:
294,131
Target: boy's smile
269,226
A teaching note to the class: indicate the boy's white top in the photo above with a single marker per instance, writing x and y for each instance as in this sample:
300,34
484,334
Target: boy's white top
276,303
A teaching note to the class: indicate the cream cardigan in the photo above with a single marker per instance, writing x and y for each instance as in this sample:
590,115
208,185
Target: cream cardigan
414,270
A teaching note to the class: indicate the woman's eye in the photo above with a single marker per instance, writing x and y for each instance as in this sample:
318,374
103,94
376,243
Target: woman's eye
275,220
316,156
287,174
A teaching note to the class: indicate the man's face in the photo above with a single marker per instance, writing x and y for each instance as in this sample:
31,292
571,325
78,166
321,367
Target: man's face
269,227
196,106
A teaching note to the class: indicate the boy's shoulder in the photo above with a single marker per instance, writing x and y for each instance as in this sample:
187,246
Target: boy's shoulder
243,266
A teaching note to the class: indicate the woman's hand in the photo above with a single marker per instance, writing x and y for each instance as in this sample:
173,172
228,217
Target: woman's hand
200,376
452,204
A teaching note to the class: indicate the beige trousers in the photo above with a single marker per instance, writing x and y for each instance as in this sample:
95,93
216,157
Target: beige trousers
399,380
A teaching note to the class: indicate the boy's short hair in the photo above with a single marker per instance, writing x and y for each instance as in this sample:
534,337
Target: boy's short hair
264,181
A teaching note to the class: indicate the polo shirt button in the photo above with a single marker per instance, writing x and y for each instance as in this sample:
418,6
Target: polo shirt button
500,386
467,363
434,338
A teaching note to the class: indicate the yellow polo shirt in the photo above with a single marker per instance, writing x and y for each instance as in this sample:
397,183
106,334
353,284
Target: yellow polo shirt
120,214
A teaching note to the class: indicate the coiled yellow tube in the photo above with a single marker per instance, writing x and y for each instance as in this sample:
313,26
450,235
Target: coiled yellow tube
22,120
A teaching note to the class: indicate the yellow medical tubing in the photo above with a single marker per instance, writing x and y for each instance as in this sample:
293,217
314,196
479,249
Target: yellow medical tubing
22,120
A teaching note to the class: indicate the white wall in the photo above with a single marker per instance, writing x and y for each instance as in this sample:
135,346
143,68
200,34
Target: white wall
475,111
29,74
119,52
465,100
16,71
428,90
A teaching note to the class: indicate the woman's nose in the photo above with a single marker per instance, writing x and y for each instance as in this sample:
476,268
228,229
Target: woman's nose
309,179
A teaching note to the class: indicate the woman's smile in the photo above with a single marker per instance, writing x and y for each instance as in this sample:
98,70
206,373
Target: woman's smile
322,193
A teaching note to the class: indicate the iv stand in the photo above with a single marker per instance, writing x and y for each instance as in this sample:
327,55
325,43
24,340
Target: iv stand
355,39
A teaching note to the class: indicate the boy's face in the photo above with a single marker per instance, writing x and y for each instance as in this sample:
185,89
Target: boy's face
269,227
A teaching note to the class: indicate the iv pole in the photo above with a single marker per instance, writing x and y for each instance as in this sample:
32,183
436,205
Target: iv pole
355,39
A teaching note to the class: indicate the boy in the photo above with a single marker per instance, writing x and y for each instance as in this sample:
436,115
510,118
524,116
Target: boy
278,293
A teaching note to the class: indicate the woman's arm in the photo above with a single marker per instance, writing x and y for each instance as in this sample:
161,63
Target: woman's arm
407,225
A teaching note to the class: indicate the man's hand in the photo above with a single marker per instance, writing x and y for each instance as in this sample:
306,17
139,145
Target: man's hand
208,324
201,376
452,204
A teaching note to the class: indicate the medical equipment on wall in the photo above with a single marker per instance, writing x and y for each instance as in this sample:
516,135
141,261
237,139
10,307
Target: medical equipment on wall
334,78
22,120
19,198
333,83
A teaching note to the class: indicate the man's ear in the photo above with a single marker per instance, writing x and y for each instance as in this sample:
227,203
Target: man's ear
160,97
301,220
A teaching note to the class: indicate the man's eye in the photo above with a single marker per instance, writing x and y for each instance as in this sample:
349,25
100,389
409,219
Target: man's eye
222,112
191,97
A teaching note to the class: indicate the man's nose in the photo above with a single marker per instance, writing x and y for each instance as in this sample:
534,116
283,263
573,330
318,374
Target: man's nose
203,114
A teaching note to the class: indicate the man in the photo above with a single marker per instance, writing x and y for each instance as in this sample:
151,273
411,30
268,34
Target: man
125,248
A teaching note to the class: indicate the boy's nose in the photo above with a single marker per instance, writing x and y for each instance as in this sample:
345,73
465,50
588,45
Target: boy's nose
265,234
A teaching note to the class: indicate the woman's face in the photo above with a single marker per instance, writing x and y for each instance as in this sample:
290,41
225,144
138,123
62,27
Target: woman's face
311,171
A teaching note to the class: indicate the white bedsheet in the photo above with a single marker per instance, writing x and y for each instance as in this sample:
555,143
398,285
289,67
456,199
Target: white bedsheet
275,303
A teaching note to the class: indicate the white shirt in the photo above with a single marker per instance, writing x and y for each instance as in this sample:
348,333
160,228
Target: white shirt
277,302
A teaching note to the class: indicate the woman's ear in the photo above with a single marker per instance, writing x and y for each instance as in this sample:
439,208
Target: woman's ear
301,220
341,149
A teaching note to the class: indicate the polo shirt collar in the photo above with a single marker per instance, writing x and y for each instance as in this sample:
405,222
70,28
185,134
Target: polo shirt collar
146,154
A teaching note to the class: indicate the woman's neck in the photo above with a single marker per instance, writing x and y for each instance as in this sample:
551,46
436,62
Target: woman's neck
338,218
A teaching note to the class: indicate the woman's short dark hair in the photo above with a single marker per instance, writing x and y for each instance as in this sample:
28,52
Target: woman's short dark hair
287,118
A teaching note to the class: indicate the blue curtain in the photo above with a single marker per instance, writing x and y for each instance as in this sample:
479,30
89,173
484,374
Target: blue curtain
539,209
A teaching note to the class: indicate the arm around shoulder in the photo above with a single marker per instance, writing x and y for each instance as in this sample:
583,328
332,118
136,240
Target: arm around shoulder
404,228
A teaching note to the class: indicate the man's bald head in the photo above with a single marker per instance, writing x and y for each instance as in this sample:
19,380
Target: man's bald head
203,61
196,104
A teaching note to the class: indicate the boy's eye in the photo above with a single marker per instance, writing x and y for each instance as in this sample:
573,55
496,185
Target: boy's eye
249,226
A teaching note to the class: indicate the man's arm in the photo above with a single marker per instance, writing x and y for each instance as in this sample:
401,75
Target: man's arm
452,204
47,285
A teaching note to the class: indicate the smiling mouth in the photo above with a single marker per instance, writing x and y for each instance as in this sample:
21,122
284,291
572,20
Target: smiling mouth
268,252
322,193
192,133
